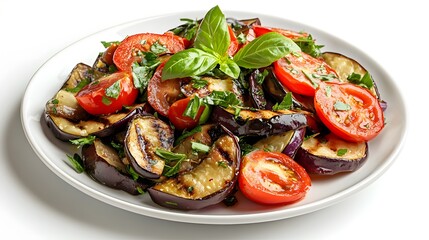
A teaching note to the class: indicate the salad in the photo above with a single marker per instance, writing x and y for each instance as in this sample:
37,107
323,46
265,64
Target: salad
215,106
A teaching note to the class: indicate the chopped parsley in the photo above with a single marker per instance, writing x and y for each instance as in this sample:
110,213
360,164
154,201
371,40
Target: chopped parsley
114,90
340,106
76,162
286,103
364,81
80,142
199,147
342,151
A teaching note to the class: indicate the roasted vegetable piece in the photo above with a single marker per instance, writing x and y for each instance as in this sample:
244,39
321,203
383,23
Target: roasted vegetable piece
349,111
277,91
302,73
345,66
162,94
287,142
64,103
329,154
130,49
258,122
256,90
102,126
349,70
104,165
272,178
144,136
207,134
109,94
68,120
207,184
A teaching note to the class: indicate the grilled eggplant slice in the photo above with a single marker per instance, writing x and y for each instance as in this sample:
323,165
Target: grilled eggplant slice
103,164
101,126
258,122
144,136
207,85
328,155
274,89
207,135
287,142
207,184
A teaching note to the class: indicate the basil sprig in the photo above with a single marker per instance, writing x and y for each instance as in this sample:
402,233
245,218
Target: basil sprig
211,50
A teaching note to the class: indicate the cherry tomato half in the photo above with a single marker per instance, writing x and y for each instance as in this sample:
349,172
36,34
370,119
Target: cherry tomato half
108,94
162,94
128,50
272,178
349,111
301,73
175,115
260,30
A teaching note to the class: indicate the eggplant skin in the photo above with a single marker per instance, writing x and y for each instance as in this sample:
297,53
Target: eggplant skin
207,184
258,123
320,156
111,172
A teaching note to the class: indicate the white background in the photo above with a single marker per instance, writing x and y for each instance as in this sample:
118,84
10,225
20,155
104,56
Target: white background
36,204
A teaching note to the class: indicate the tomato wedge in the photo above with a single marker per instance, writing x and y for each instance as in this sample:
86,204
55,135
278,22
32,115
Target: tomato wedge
260,30
108,94
272,178
301,73
128,50
233,45
175,115
349,111
162,94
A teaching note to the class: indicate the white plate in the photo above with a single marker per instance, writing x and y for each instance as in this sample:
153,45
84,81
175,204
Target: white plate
324,192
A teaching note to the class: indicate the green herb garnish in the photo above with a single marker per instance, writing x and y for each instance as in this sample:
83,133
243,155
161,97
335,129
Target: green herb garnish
211,46
76,162
340,106
286,103
341,151
80,142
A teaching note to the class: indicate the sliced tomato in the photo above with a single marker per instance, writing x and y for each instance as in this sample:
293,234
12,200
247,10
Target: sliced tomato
162,94
301,73
272,178
233,45
129,50
108,94
349,111
260,30
175,115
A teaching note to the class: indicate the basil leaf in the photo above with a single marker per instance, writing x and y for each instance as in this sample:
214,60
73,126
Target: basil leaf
190,62
230,68
213,35
265,50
